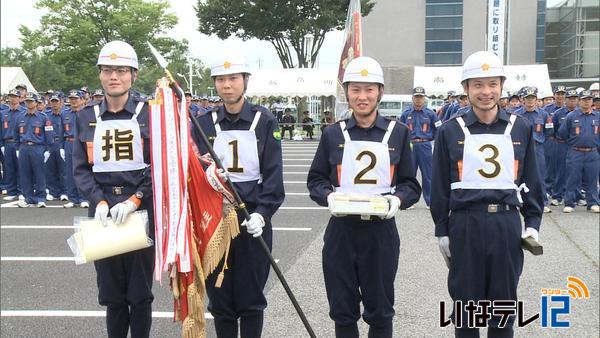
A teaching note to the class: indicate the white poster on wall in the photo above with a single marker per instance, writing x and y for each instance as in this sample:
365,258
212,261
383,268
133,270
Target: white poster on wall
495,31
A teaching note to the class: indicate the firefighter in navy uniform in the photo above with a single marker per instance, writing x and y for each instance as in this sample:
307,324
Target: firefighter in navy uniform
248,139
543,127
581,130
360,256
55,166
422,123
9,146
111,160
35,136
484,173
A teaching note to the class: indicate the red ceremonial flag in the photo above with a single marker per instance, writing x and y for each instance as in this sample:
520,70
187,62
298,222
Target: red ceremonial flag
195,219
351,49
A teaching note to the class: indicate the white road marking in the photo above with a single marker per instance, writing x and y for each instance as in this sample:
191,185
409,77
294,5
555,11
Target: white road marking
297,165
294,182
303,208
8,205
37,227
295,172
36,259
71,313
291,229
72,227
297,193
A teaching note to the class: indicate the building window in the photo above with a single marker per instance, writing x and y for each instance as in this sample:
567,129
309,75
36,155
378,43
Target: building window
443,32
540,31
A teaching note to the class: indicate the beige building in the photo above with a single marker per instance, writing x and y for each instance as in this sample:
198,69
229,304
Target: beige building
402,34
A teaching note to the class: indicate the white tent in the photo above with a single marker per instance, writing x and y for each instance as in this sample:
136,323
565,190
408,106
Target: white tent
293,82
12,76
440,80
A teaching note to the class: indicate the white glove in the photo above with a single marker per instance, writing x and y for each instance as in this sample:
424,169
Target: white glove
46,156
444,244
2,150
101,212
531,232
17,154
330,202
62,154
255,224
394,202
120,211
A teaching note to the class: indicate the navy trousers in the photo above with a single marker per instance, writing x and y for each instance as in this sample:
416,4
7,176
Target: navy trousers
31,172
583,171
125,282
487,258
55,172
241,293
360,261
422,156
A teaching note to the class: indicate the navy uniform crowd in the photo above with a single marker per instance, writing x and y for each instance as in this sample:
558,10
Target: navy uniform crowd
36,139
566,153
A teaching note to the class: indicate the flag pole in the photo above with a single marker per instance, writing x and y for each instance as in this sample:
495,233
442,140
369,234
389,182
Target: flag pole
242,206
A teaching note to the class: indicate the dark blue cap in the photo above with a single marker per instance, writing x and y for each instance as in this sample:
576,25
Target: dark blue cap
572,93
75,93
560,89
419,91
586,94
530,91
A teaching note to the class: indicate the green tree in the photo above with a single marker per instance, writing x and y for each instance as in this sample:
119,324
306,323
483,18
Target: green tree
73,32
294,27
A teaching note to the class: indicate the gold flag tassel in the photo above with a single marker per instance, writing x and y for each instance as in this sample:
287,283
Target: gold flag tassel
194,325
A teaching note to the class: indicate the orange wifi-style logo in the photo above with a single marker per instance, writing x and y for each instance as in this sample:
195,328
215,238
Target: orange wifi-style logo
577,288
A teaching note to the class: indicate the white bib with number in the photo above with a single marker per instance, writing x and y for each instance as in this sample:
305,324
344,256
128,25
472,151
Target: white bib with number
488,160
118,144
366,165
238,151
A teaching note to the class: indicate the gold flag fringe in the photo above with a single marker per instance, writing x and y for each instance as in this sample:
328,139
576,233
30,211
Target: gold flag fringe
194,325
218,246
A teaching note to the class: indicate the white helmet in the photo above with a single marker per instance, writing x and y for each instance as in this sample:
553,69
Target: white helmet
230,62
595,86
118,53
482,64
363,69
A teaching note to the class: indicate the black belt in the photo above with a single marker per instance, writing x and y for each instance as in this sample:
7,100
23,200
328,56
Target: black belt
491,208
29,143
120,190
10,140
584,149
560,141
419,140
69,138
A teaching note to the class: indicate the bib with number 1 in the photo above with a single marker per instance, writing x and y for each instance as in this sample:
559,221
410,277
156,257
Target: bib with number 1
238,150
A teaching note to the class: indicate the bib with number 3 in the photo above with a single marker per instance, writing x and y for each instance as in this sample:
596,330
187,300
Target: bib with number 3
488,160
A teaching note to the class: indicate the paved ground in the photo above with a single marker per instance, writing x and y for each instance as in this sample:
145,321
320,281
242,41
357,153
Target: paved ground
43,293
